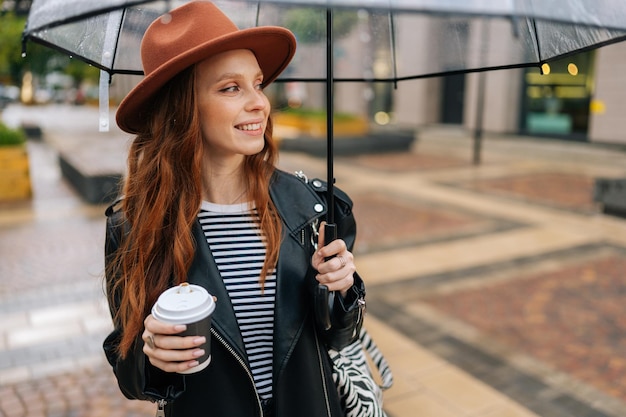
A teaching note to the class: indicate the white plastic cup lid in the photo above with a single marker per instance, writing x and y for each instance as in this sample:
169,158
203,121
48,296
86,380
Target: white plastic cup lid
183,304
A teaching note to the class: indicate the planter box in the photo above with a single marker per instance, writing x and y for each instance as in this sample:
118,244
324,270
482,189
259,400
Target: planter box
15,181
288,125
90,174
387,140
611,194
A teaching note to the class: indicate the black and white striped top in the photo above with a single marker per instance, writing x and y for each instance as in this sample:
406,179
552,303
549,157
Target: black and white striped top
234,237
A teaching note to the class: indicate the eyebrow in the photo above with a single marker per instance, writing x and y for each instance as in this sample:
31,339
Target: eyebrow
228,75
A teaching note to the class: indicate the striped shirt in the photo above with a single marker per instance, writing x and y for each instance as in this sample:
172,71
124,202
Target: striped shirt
233,234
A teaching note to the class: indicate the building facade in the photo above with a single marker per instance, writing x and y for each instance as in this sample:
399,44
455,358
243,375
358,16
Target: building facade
582,98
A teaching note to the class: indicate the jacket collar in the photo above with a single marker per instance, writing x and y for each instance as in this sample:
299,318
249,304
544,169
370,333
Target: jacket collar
298,205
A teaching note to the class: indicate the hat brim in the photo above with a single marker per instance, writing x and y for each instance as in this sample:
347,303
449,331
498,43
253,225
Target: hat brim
274,47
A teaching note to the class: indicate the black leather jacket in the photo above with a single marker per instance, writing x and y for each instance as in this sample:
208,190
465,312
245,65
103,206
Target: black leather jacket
302,369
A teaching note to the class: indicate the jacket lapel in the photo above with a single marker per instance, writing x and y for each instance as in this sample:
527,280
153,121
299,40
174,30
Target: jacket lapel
204,272
298,206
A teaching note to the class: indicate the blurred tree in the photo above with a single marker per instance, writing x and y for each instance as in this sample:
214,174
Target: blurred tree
39,60
309,25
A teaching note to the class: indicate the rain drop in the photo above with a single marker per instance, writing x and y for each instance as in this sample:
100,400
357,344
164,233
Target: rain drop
107,55
166,18
23,54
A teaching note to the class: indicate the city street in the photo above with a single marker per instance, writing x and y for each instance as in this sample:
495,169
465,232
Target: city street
495,290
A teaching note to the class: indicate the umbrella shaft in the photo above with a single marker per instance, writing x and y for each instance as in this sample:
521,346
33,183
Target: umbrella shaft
330,111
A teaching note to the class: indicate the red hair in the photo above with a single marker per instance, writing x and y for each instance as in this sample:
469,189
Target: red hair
162,197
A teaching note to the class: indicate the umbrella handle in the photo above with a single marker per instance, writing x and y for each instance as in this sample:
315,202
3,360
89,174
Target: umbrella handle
324,299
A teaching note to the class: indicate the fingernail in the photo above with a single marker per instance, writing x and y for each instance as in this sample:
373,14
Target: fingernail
198,352
193,363
199,340
180,327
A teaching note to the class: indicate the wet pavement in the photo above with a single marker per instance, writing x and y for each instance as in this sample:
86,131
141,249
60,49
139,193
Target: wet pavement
494,290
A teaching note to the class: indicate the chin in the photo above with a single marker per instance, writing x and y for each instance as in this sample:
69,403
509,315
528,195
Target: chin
255,148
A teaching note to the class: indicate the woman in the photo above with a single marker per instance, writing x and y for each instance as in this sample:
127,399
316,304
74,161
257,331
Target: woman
202,189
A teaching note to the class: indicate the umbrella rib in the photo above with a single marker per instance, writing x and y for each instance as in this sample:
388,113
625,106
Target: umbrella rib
117,38
258,11
534,28
392,40
75,55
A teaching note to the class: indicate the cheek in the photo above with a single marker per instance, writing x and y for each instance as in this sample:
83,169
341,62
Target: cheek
268,105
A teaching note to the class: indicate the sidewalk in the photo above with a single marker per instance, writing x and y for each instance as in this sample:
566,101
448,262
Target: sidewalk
494,291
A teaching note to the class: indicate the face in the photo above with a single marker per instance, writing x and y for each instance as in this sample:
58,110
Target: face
232,106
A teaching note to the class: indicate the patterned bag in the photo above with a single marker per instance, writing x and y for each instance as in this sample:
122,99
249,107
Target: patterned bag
361,395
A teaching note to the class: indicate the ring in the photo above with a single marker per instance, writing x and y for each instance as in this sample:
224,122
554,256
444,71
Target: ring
150,342
342,260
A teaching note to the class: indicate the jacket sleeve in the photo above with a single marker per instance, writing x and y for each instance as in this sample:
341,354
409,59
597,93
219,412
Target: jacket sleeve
347,313
136,377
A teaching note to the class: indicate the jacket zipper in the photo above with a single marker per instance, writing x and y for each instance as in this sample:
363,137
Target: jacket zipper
319,358
243,365
161,408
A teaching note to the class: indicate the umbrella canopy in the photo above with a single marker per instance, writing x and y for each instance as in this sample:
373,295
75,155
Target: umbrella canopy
444,36
390,40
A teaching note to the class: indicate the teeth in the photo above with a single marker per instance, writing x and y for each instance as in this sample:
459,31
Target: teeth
251,126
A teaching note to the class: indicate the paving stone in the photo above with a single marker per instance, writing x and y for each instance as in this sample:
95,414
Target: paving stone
553,317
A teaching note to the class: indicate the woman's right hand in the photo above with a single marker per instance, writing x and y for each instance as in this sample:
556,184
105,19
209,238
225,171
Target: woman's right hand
166,350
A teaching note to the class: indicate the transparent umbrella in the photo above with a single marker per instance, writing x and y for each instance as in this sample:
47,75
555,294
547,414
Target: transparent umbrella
395,40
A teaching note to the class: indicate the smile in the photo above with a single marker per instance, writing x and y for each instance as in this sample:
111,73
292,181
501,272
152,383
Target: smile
251,126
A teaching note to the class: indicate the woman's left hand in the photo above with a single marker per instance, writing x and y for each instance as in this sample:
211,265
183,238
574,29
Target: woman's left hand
337,272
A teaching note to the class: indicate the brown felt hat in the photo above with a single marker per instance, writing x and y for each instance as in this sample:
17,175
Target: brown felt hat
190,34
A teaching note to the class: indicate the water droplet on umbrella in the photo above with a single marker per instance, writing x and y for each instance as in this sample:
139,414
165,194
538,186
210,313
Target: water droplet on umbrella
166,18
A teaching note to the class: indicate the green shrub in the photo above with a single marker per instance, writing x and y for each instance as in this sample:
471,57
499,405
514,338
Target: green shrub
318,114
11,137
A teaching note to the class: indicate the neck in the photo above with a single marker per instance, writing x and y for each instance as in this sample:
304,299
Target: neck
225,187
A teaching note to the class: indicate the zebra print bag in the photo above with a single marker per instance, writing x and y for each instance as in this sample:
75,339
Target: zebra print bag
361,395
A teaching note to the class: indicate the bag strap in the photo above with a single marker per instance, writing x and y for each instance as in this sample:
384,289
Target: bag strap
378,359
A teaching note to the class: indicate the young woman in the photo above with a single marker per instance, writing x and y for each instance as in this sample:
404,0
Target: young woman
204,204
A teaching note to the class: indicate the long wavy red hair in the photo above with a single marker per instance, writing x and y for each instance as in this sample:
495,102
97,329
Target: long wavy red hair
162,196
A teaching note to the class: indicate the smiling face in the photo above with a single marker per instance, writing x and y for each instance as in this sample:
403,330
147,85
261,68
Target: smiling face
232,106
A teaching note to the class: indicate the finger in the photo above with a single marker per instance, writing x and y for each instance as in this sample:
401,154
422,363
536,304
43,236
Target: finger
333,248
173,366
155,326
338,262
334,270
175,360
321,237
178,342
341,283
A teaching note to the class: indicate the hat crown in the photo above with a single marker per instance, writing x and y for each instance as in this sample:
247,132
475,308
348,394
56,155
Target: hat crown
181,30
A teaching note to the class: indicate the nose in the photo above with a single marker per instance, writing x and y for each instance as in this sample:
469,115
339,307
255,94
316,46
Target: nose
257,100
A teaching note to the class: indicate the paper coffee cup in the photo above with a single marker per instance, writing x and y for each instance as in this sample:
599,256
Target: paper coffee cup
193,306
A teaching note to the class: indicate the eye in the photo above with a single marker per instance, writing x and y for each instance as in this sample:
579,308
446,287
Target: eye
230,89
260,86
